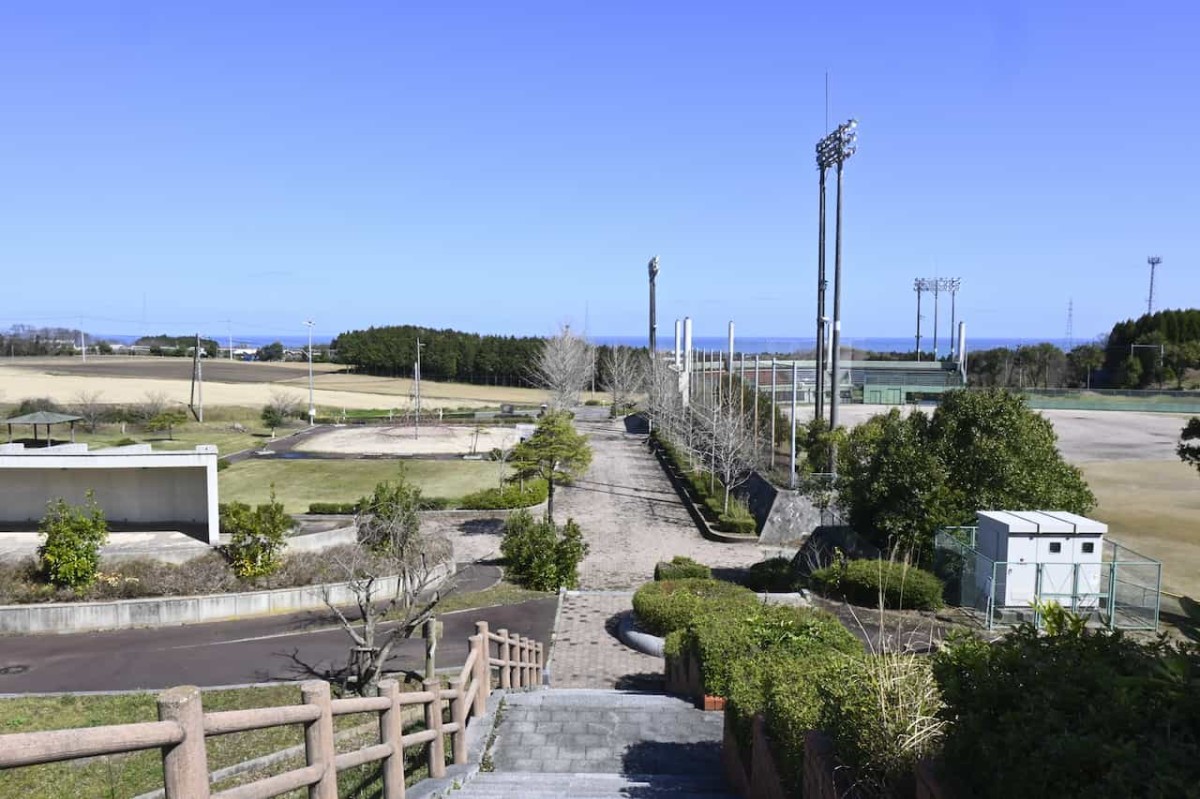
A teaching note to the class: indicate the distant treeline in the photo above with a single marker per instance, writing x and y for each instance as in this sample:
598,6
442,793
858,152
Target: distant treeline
445,354
177,345
1155,350
26,340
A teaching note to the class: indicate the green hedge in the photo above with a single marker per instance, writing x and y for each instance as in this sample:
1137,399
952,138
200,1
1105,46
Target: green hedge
668,605
1071,713
774,576
508,497
721,636
351,508
681,568
862,581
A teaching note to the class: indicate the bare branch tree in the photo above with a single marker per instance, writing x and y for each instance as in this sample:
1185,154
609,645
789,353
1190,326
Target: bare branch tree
623,378
391,544
729,439
563,368
88,405
286,405
154,403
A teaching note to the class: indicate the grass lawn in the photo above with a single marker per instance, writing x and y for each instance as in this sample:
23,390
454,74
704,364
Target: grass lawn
1154,508
301,482
136,773
216,429
502,593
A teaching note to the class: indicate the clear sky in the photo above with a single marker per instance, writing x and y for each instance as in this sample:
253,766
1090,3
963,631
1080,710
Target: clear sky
505,166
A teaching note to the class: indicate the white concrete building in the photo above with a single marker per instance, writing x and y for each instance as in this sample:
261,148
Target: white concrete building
1047,555
134,486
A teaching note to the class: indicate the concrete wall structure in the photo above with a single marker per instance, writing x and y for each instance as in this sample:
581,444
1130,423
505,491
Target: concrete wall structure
133,485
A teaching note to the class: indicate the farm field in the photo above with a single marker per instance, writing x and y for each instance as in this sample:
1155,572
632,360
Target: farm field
301,482
127,379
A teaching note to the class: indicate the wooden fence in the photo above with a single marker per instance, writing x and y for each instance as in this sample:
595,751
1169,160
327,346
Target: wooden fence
183,726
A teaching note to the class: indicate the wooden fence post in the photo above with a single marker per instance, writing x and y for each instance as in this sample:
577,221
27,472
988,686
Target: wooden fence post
318,739
433,721
520,643
458,715
505,679
185,764
483,671
541,663
481,675
391,732
530,663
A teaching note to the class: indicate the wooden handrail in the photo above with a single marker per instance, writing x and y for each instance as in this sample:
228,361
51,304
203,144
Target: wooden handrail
183,726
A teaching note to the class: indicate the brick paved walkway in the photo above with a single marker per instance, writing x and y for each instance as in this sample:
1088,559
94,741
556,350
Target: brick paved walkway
587,652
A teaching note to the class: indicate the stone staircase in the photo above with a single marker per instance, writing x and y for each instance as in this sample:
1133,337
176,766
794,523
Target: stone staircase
588,744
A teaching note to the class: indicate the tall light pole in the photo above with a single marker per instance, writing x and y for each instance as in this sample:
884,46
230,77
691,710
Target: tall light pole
652,268
834,150
312,409
819,407
1154,261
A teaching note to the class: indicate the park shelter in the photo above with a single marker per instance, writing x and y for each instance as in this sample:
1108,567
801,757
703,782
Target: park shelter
46,418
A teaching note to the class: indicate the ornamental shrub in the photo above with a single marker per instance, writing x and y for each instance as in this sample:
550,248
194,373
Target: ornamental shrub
506,498
774,575
722,636
538,556
1107,716
738,519
70,551
257,536
681,567
667,605
862,582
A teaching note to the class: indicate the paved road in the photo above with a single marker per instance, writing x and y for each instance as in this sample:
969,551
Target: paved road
291,647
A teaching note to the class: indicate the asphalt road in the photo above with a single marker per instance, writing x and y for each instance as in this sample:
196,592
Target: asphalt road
292,647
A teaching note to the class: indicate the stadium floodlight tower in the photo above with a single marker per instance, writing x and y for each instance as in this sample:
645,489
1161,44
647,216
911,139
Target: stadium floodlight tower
1154,261
833,151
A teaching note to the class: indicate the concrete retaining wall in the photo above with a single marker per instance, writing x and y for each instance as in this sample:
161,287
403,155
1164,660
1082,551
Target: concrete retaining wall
74,617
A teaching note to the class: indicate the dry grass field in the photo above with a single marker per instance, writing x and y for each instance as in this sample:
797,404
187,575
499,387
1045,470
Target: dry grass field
127,379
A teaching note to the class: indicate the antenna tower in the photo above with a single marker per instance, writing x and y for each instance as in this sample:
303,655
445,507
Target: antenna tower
1154,261
1071,324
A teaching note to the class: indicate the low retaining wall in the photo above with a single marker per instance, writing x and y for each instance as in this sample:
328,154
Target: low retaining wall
74,617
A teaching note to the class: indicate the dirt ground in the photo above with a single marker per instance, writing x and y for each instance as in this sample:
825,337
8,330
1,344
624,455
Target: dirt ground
126,379
400,440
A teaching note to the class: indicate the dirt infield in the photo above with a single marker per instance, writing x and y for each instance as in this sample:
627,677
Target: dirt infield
400,440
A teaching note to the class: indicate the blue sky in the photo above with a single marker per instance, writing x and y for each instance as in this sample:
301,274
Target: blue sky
504,167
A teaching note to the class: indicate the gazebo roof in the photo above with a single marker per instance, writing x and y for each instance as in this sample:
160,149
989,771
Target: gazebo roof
43,417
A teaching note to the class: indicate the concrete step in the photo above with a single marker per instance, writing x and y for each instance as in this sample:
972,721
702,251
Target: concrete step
528,785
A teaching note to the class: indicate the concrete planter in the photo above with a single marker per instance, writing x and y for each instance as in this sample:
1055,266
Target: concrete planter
74,617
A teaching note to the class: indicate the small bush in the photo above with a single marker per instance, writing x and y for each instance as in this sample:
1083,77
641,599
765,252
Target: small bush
681,568
772,576
33,405
125,442
257,536
739,519
593,402
668,605
335,508
862,581
538,556
70,550
506,498
223,464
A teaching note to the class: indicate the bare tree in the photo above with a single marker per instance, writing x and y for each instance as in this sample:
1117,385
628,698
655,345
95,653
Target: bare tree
154,403
730,445
623,376
87,405
563,368
391,544
286,405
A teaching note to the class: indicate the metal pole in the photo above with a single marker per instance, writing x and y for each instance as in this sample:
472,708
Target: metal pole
835,345
919,291
652,267
819,407
792,449
417,385
741,385
953,296
312,409
936,303
756,395
773,365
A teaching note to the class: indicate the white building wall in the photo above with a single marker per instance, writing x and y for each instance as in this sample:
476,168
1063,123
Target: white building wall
138,487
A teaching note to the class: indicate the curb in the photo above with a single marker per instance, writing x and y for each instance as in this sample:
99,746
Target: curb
645,643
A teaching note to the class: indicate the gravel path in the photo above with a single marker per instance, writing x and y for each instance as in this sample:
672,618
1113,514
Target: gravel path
631,516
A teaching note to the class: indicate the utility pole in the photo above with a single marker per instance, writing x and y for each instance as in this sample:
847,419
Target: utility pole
773,364
755,395
417,385
819,405
312,408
